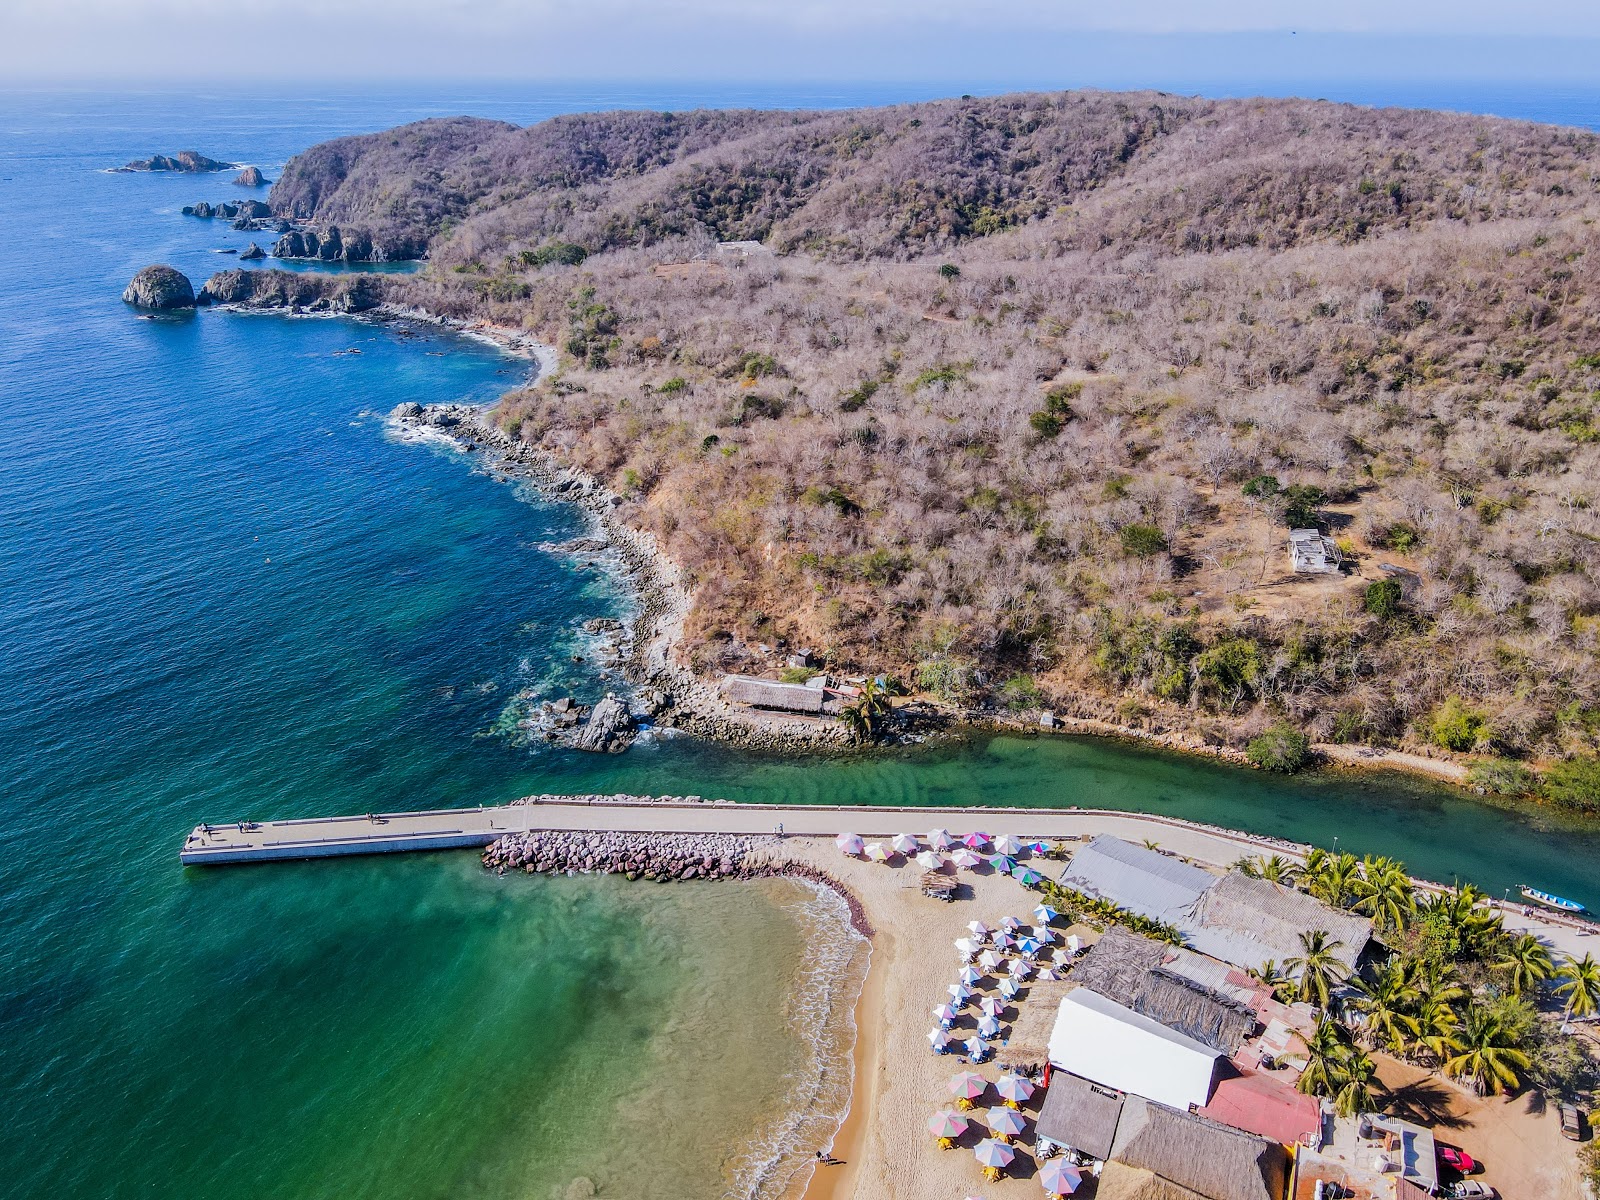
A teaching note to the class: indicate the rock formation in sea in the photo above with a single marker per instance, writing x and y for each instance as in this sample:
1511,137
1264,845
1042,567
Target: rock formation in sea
610,729
251,177
252,251
329,245
292,290
190,162
160,287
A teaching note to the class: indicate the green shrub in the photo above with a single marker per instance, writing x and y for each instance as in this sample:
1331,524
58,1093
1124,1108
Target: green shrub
834,498
952,678
1020,693
1261,487
1348,726
1232,666
858,398
1456,725
797,675
1280,747
673,386
1143,541
1047,424
1382,599
1057,411
949,271
1574,784
565,253
1300,504
1502,777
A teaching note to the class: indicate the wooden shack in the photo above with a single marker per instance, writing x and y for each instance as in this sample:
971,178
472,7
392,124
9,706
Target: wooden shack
939,886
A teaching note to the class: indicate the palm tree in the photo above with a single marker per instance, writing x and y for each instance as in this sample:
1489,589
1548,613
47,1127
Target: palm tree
1384,1003
1279,983
1318,967
1275,868
1475,929
1581,983
1524,963
1354,1093
1437,1027
1383,892
866,713
1333,879
1326,1051
1488,1056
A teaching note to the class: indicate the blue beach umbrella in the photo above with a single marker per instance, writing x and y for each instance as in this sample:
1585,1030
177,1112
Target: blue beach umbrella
1044,914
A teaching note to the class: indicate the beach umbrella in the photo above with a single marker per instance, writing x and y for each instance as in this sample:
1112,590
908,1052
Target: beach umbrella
965,858
940,839
1044,914
877,852
989,960
1003,940
1009,988
1059,1178
1048,974
849,843
1011,924
1004,1122
1061,958
967,1087
1013,1089
993,1155
904,843
939,1039
1021,969
976,1048
945,1013
947,1125
970,976
990,1007
1001,864
1074,943
966,947
1029,946
959,993
1025,876
975,841
1039,847
929,860
988,1027
1046,935
978,929
1006,844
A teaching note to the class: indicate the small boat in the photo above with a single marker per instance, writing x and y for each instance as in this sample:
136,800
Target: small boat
1556,902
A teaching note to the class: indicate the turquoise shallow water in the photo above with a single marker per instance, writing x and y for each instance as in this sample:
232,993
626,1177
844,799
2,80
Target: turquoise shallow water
225,591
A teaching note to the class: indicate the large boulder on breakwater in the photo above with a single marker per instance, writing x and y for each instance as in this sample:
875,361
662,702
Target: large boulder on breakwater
293,290
160,287
610,729
250,177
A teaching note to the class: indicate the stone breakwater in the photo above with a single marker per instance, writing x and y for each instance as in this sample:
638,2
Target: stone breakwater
661,858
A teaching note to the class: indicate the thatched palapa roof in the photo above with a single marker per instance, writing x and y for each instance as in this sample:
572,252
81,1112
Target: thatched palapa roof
1080,1114
1248,921
1211,1160
1131,970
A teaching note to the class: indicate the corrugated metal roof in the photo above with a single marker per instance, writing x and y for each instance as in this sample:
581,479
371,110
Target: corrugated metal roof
1143,881
1266,1106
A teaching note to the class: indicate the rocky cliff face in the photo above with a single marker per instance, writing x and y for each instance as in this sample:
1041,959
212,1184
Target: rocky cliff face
329,245
188,161
160,287
293,290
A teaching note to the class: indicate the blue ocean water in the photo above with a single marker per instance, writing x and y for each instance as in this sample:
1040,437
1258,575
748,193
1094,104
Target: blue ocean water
226,591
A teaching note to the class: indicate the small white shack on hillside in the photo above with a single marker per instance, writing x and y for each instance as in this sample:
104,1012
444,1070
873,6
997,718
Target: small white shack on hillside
1101,1041
1310,553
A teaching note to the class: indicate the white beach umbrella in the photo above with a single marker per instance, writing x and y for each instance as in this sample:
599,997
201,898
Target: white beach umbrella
878,852
849,843
929,860
1005,1122
944,1012
991,1153
1048,975
1046,935
1009,988
1011,924
1013,1089
904,843
1003,940
970,976
990,1007
939,1039
1029,947
965,859
1021,969
1006,844
978,929
1074,943
1061,958
989,960
966,947
988,1027
959,993
976,1048
1044,914
940,839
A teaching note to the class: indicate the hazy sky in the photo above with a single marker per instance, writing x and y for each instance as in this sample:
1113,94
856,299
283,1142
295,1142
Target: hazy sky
1107,41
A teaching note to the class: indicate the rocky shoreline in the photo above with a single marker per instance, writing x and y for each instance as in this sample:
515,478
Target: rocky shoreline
661,858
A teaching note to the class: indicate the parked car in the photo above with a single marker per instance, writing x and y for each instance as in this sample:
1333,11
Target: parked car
1457,1159
1472,1189
1571,1123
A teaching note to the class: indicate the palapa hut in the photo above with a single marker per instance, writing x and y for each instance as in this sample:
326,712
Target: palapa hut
1134,971
1157,1149
939,885
1248,921
771,694
1079,1114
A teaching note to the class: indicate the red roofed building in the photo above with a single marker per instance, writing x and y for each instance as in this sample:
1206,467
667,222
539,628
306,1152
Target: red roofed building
1263,1105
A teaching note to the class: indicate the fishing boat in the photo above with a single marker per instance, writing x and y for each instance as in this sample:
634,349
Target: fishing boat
1558,903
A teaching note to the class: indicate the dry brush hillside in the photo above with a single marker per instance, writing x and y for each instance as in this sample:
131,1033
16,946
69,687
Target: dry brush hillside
988,415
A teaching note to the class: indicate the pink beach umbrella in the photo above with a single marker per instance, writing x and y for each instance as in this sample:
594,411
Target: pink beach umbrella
1004,1122
944,1013
904,843
1011,924
978,929
939,1039
967,1087
878,852
1021,969
940,839
1013,1089
1003,940
1059,1178
976,841
965,859
947,1125
929,861
849,843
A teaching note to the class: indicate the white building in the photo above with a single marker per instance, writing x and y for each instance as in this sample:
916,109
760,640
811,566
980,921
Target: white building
1105,1043
1312,553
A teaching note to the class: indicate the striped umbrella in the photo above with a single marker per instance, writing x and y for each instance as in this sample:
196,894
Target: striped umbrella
1044,914
1011,924
944,1013
878,852
1006,844
966,947
939,1039
959,993
940,839
989,960
994,1154
849,843
1059,1178
1002,865
1013,1089
1004,1122
1029,947
970,976
947,1126
990,1007
929,861
1009,988
965,859
988,1027
967,1087
1003,941
1021,969
1026,876
976,841
977,1048
978,929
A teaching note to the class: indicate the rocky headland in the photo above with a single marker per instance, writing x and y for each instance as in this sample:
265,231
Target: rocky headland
190,162
292,290
160,287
